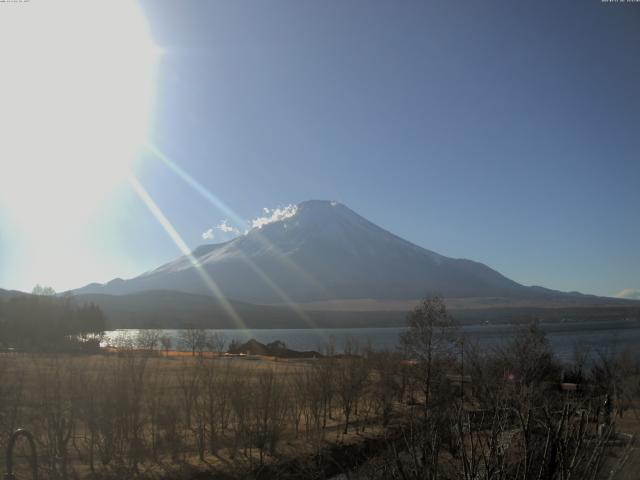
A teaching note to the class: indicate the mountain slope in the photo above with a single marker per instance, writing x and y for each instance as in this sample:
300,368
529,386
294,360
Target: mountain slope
173,309
324,251
7,294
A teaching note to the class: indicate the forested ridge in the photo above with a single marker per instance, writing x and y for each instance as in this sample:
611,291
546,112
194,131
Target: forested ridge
44,321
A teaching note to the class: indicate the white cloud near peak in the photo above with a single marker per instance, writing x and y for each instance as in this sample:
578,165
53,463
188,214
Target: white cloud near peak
208,235
274,215
226,228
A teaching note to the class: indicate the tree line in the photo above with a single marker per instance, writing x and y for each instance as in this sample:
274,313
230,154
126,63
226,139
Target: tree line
46,322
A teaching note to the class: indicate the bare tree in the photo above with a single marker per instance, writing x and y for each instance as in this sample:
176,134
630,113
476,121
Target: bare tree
193,339
269,409
148,339
430,339
215,342
241,398
314,394
167,342
153,403
386,383
43,291
324,375
90,383
57,410
352,375
188,385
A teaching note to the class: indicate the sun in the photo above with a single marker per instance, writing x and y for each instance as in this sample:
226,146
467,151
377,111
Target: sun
76,99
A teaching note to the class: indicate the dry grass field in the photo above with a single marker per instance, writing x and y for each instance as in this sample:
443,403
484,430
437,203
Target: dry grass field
141,415
498,415
148,414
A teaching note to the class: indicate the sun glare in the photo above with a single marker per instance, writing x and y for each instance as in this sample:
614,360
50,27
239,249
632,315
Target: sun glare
75,104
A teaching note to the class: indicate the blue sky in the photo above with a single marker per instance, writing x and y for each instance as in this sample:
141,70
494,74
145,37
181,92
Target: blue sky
505,132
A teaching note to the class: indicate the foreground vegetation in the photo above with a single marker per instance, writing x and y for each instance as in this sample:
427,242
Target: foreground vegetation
437,409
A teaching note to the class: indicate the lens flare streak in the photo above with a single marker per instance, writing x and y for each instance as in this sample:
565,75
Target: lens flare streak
184,248
216,202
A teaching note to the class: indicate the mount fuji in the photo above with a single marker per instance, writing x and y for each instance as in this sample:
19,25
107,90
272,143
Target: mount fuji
321,251
324,263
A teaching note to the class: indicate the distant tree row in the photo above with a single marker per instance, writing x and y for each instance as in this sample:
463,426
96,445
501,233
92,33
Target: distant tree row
44,321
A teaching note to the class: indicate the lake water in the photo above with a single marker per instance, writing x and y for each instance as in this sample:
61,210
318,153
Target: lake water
602,337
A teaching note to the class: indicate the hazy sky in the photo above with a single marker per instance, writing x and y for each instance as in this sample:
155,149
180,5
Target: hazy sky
505,132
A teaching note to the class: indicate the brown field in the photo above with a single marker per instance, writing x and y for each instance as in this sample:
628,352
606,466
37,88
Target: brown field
149,414
136,413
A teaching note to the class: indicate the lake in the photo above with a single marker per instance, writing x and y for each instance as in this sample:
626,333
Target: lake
599,337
